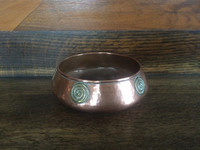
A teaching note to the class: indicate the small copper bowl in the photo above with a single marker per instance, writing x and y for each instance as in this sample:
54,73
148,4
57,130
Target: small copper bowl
99,82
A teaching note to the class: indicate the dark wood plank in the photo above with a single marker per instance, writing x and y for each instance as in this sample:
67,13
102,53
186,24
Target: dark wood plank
167,118
114,15
36,53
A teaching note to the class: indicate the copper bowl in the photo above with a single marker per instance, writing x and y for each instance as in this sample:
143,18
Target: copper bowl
99,82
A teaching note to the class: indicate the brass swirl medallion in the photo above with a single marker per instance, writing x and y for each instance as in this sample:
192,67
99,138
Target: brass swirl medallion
139,85
80,93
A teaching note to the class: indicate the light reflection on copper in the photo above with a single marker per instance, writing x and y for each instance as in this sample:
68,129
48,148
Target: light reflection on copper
126,92
95,96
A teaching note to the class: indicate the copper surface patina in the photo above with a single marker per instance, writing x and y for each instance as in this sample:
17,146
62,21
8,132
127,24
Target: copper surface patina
99,82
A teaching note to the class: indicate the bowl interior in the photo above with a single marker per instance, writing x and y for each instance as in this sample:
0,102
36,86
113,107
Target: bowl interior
99,66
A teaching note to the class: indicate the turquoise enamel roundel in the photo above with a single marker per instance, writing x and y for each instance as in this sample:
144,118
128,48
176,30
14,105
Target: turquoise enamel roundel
139,85
80,93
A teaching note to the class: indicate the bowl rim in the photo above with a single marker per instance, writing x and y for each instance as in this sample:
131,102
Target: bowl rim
97,81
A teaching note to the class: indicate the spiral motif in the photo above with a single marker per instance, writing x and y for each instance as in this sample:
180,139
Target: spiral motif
79,93
139,85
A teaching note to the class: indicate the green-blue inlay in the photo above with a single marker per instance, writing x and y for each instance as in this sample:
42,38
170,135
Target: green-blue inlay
80,93
139,85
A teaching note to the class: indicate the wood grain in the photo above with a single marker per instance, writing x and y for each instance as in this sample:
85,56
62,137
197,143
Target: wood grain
114,15
160,52
167,118
13,12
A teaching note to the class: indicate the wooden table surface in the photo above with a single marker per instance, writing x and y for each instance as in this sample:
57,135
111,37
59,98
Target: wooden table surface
167,118
99,14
